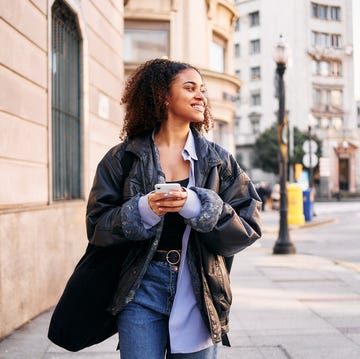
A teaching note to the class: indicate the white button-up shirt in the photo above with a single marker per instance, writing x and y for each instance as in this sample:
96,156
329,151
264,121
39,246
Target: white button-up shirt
187,330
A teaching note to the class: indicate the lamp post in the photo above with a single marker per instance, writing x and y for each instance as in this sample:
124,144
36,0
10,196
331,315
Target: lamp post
283,244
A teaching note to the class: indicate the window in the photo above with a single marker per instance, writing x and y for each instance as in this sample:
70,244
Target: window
322,39
221,134
322,11
314,9
255,99
254,18
217,54
254,119
238,73
324,122
317,96
336,68
237,126
325,12
328,97
327,122
314,67
336,98
237,50
337,122
66,103
254,47
335,13
255,73
335,41
237,24
145,40
327,68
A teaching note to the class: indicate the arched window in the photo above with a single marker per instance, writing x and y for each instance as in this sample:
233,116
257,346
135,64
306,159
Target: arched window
66,103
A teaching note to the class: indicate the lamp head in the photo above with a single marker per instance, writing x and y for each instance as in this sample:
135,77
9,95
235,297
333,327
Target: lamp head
281,51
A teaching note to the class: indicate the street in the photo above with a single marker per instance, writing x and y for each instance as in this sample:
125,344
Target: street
299,306
337,240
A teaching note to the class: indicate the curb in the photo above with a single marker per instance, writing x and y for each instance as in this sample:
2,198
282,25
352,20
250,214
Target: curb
349,265
314,223
293,227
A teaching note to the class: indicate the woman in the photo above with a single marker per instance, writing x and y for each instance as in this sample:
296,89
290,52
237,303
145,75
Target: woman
173,296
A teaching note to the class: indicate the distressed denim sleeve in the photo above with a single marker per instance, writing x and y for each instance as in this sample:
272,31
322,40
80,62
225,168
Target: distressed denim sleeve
132,224
211,208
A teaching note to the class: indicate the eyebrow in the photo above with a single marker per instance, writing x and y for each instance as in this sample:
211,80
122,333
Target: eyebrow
193,83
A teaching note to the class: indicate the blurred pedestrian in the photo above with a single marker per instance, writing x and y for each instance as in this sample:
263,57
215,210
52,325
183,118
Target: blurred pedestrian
264,193
173,295
275,196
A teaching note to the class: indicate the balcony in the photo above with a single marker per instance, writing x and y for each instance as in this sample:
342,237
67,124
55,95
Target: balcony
330,53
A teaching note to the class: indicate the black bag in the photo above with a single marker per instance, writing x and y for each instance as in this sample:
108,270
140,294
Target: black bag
80,318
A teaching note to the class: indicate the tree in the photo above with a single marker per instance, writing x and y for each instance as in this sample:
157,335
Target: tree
266,149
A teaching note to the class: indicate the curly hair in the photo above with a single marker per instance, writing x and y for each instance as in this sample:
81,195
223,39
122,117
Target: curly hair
145,96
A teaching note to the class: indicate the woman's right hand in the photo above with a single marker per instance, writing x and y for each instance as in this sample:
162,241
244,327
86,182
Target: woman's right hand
162,203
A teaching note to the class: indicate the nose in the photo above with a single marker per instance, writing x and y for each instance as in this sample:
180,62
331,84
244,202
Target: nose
200,95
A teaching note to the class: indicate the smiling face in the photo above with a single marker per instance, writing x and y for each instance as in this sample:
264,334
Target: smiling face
187,101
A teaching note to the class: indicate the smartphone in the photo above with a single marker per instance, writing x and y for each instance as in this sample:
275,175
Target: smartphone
166,187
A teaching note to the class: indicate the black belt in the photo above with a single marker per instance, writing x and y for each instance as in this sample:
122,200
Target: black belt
172,257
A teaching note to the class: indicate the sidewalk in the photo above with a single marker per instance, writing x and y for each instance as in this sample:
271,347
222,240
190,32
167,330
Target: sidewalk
284,307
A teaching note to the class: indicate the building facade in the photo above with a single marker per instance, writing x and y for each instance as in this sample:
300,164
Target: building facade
319,81
197,32
61,79
63,64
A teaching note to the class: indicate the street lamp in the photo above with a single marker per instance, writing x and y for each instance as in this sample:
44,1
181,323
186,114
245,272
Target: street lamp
283,244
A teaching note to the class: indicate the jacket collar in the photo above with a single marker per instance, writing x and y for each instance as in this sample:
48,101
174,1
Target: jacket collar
200,149
206,149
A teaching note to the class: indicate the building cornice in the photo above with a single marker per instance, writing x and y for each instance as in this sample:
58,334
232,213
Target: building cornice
229,5
234,80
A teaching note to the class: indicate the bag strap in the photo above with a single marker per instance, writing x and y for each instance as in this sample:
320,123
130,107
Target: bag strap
127,161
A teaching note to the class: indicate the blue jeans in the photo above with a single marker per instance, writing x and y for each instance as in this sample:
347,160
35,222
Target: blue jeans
143,324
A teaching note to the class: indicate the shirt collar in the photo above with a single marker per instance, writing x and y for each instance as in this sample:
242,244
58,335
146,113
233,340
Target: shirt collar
189,148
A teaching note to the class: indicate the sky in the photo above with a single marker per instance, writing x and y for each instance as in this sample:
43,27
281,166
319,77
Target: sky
356,41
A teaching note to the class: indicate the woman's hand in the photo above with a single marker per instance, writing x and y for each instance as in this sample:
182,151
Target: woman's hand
162,203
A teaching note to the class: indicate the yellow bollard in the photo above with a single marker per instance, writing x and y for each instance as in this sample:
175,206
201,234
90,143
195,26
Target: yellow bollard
295,204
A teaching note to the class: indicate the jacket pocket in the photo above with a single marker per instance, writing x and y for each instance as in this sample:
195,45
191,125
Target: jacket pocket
219,285
217,279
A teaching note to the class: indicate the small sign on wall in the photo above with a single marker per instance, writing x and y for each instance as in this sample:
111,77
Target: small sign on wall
103,108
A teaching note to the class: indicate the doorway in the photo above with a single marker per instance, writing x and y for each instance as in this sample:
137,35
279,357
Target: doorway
344,174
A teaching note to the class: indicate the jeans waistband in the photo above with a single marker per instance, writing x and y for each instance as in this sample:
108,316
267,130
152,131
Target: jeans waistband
171,257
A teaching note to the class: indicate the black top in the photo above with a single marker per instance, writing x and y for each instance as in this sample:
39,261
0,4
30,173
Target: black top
173,229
